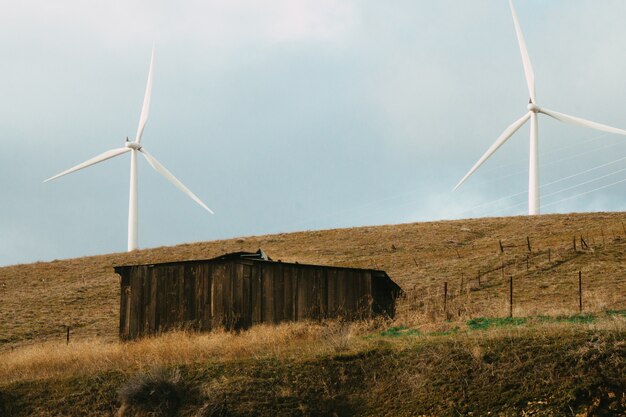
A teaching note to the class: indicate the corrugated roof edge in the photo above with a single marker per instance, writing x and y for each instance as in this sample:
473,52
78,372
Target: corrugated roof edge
256,257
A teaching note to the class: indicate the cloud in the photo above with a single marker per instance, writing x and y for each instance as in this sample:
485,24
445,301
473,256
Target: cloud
218,23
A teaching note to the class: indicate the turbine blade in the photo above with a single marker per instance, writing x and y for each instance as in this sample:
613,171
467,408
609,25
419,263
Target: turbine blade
156,165
514,127
102,157
145,109
582,122
528,68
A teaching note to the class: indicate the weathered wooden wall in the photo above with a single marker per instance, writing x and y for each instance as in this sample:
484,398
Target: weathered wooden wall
240,293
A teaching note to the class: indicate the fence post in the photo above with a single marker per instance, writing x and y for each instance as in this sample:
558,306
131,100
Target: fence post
511,296
67,340
501,247
549,255
445,298
478,277
580,291
528,241
574,243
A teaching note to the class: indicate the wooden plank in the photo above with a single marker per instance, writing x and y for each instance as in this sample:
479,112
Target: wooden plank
256,288
217,295
124,308
179,270
288,275
161,301
189,294
319,294
246,296
322,279
164,290
207,274
267,274
141,302
172,296
152,305
369,292
315,294
306,282
295,283
349,303
227,296
278,293
136,305
198,295
341,292
332,292
357,294
237,286
124,295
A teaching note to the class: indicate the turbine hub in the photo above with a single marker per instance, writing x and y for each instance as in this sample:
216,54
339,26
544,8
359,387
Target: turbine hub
132,145
533,107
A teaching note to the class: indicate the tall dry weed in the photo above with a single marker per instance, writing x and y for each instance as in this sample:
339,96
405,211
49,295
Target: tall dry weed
52,359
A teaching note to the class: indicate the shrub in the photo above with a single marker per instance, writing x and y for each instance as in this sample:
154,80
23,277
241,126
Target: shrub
157,393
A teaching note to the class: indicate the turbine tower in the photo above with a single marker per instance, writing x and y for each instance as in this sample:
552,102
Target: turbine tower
135,147
533,110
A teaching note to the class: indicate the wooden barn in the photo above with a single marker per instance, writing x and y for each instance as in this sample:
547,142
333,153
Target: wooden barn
238,290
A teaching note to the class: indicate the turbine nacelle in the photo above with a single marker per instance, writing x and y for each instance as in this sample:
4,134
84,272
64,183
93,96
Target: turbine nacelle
133,145
533,107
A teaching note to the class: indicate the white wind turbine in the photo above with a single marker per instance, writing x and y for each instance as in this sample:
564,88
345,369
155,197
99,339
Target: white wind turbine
533,109
135,147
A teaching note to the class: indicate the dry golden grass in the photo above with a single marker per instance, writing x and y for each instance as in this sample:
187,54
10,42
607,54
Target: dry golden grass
92,356
300,341
38,300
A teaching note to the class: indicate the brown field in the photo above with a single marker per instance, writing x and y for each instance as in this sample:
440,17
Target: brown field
429,358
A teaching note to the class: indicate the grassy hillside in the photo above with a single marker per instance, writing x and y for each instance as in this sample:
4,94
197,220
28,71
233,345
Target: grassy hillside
547,360
38,300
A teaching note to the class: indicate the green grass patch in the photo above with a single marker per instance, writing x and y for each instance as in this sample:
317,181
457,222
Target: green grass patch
578,319
621,313
484,323
402,331
399,331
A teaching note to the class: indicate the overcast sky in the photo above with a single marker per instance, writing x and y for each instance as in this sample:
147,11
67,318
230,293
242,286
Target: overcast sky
290,115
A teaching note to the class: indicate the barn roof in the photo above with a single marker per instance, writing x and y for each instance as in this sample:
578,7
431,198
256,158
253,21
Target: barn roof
258,256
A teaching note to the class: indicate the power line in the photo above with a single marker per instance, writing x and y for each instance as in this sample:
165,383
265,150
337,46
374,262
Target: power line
547,184
550,152
585,193
563,190
545,165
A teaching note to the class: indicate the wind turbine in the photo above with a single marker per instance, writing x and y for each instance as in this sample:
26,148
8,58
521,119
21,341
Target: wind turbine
135,147
533,110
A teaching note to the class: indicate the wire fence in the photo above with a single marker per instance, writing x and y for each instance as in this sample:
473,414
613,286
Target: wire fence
525,280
